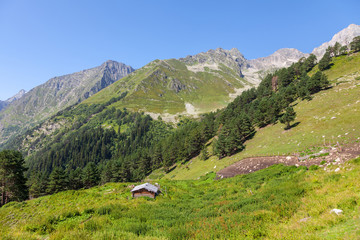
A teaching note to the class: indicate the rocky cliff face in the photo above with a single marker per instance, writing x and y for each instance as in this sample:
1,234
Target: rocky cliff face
281,58
344,37
57,94
213,58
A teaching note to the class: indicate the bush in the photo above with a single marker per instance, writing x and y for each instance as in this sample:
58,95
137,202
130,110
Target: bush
89,211
313,167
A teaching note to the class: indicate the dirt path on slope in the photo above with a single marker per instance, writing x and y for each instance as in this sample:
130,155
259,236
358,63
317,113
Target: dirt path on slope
335,156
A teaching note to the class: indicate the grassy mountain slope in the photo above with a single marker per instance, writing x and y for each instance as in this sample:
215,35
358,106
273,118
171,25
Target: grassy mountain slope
332,116
275,203
178,86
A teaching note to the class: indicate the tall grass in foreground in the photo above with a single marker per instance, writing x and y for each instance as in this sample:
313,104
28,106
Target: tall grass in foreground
267,204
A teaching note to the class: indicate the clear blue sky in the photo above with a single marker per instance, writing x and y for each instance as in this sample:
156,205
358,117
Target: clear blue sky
43,39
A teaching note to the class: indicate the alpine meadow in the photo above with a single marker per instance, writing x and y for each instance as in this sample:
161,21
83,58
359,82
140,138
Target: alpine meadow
205,146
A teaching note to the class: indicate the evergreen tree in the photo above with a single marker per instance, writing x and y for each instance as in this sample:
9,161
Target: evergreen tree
12,181
355,44
90,176
309,63
288,117
75,179
343,50
58,181
314,84
38,184
324,63
324,82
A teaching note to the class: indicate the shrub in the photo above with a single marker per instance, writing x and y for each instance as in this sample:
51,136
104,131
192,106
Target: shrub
89,211
313,167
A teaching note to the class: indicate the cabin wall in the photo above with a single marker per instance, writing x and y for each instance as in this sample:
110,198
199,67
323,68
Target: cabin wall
142,193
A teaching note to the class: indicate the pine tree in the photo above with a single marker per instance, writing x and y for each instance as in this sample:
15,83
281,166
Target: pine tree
288,117
355,44
90,176
38,184
58,181
314,83
12,181
324,63
75,179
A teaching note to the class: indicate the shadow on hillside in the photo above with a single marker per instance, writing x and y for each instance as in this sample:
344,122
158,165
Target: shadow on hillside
292,125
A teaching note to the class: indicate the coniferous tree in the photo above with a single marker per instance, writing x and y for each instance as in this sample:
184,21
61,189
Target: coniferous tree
38,185
324,63
288,117
355,44
75,179
58,181
314,83
12,181
90,176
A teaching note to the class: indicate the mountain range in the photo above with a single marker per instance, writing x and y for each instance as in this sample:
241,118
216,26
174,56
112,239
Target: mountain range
188,86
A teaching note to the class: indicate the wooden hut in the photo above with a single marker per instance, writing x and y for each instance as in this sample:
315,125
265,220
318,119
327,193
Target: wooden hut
145,190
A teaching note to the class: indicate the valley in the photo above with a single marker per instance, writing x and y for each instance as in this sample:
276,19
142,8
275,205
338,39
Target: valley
267,148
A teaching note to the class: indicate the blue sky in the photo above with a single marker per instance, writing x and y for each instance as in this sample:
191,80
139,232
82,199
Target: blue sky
43,39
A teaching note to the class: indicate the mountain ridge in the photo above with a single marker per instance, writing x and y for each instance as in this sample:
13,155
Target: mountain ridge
56,94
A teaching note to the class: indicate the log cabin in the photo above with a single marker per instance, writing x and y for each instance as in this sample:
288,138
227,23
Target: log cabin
145,190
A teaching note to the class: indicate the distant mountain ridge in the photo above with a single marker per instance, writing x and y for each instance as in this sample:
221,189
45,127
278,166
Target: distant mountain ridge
56,94
4,104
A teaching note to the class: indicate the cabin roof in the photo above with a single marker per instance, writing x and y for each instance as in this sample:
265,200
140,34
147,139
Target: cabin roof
147,186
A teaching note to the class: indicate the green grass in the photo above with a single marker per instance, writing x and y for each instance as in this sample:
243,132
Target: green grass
150,88
267,204
332,116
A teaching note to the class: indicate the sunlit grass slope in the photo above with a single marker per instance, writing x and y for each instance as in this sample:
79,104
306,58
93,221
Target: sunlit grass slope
165,86
275,203
331,116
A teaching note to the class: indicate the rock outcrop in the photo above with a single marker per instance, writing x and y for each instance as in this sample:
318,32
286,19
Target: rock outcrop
344,37
281,58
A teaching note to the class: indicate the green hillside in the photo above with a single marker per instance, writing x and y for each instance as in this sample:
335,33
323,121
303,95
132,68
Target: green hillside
275,203
331,116
166,86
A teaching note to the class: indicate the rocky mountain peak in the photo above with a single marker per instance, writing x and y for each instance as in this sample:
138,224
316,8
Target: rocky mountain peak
16,96
116,70
281,58
344,37
214,57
